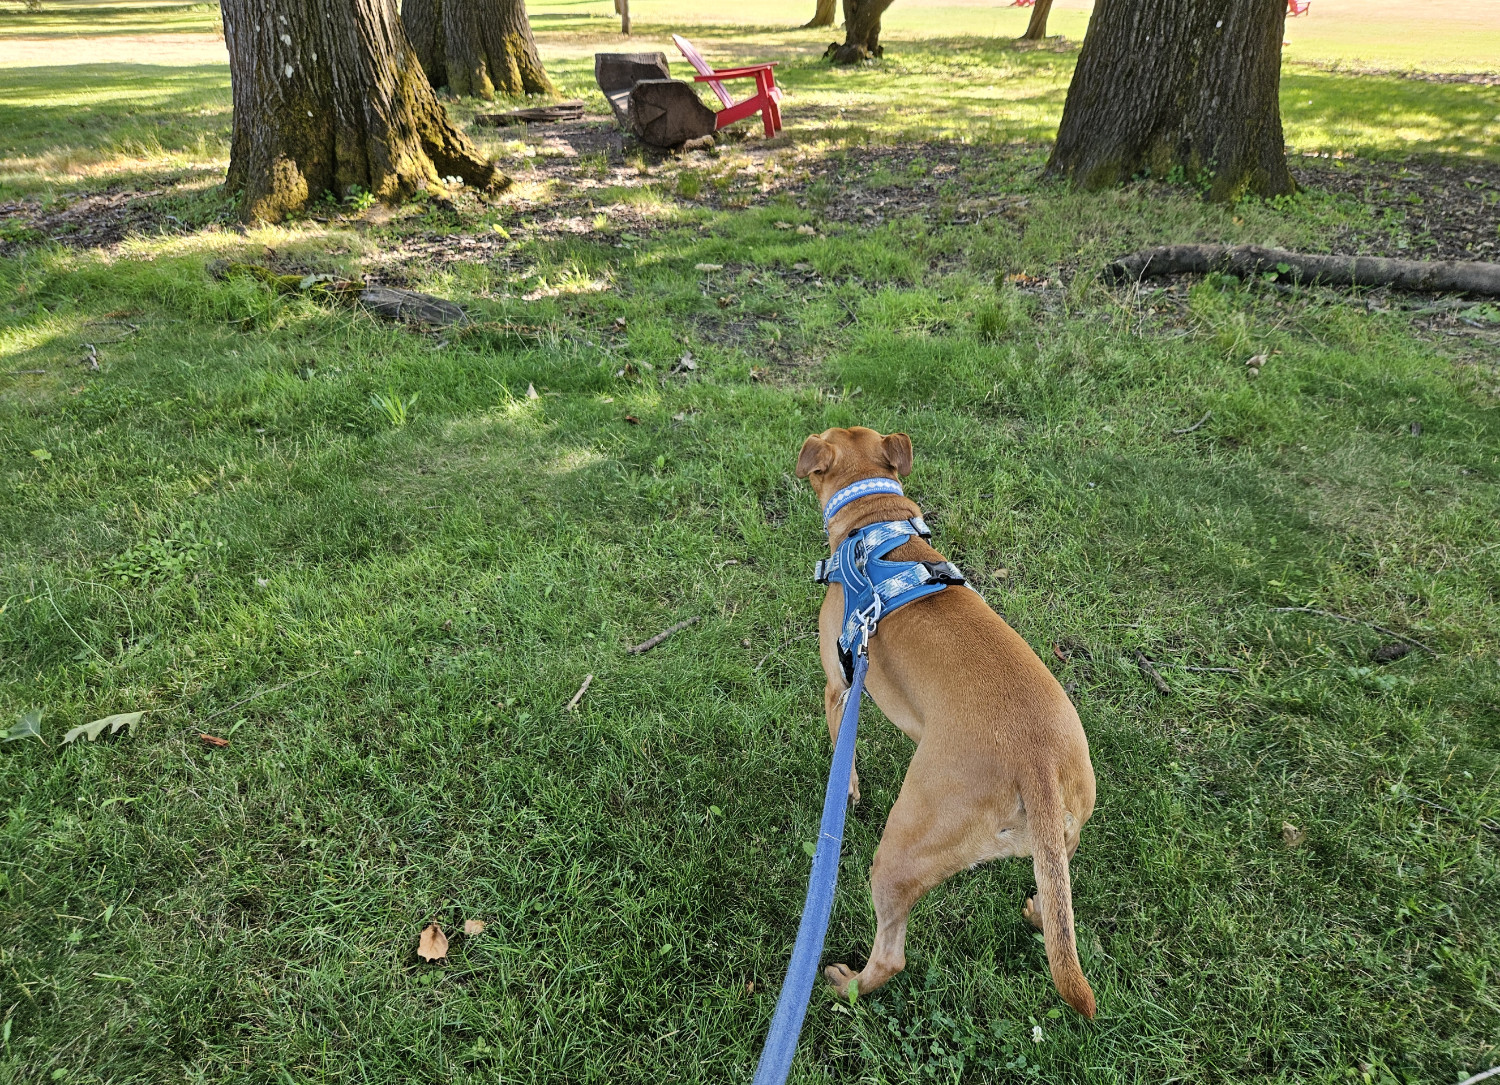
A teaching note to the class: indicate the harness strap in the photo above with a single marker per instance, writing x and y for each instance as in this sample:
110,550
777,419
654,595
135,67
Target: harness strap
855,490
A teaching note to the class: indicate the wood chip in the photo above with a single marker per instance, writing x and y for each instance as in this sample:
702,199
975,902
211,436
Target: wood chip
214,740
473,927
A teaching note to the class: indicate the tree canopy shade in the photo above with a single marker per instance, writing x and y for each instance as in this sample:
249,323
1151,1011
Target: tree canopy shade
476,47
1178,86
328,96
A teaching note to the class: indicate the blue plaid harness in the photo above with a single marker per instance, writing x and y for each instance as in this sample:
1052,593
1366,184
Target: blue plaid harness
874,586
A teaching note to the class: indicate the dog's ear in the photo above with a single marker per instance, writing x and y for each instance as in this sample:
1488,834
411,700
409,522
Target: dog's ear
898,453
816,455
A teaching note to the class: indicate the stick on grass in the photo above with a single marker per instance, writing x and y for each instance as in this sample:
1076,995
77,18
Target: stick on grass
573,704
1152,674
647,645
1355,621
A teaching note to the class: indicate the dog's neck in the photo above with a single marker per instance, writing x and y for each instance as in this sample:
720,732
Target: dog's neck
864,511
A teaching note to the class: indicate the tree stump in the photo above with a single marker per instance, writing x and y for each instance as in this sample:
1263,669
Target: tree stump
618,73
668,112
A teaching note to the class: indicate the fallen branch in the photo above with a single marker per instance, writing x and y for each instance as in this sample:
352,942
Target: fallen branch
1491,1072
1435,276
1354,621
1151,673
1196,425
573,704
1214,670
647,645
407,306
564,111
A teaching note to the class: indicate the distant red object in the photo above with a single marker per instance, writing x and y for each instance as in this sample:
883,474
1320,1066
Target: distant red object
1293,9
766,100
1023,3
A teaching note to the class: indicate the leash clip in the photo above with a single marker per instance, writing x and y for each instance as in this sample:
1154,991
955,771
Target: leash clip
869,618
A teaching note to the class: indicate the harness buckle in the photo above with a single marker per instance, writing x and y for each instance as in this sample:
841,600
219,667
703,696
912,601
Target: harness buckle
820,571
944,572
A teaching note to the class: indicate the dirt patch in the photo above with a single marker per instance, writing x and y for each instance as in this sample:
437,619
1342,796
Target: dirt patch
1434,211
96,221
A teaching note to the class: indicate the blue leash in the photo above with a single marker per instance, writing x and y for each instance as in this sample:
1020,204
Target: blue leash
802,971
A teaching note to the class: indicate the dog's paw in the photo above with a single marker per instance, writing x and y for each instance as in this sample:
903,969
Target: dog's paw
1030,914
854,788
842,978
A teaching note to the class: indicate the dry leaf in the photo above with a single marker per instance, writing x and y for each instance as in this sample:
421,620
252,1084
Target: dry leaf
214,741
1001,573
531,391
433,945
473,926
632,419
1256,361
1292,836
782,225
805,229
620,322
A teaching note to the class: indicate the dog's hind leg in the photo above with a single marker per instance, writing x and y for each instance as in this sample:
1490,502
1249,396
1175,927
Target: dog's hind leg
834,699
917,851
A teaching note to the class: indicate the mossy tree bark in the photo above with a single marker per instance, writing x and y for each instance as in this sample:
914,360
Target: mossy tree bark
824,14
476,48
1184,87
1036,29
328,95
861,32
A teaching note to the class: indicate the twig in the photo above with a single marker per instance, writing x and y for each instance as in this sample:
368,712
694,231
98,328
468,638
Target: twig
573,704
1355,621
1491,1072
1215,670
1151,673
1196,425
647,645
253,696
785,644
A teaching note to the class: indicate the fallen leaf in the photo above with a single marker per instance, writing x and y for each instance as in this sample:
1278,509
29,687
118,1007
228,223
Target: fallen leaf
28,726
632,419
1060,654
531,391
782,225
214,740
433,945
802,265
620,322
750,987
809,847
708,267
1292,836
685,363
1256,361
473,927
41,454
805,229
116,724
758,372
1020,278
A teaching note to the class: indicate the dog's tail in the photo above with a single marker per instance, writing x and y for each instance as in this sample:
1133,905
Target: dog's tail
1045,819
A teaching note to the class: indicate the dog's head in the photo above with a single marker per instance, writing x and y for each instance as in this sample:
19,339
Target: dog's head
834,458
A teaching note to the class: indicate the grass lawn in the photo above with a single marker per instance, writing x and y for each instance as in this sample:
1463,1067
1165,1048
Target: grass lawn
217,526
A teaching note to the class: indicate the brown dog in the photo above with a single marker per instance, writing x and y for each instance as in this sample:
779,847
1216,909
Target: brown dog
1002,764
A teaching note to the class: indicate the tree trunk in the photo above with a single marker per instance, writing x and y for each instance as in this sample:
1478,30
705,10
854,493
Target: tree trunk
823,16
861,32
476,48
1184,88
1036,30
328,95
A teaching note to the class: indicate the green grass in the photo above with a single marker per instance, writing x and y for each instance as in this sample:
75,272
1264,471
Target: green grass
387,621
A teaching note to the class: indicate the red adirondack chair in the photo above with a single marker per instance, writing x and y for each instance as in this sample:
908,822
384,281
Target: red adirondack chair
766,100
1293,8
1023,3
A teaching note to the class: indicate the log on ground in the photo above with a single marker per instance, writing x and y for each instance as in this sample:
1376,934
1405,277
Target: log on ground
1436,276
